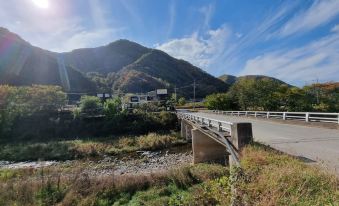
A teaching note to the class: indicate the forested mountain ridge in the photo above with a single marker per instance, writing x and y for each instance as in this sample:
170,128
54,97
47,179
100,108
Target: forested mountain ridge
23,64
230,79
121,66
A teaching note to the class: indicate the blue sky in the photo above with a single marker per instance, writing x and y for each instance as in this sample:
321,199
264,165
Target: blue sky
296,41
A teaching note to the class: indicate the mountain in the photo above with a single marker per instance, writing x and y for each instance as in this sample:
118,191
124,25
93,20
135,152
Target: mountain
230,79
23,64
121,66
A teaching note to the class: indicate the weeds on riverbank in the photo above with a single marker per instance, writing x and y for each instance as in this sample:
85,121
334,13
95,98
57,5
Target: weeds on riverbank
77,149
273,178
268,177
51,188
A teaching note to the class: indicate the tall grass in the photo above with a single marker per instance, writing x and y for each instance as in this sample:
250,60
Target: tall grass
52,187
78,149
272,178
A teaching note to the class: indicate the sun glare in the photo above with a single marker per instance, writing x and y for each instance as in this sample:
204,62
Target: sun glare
41,3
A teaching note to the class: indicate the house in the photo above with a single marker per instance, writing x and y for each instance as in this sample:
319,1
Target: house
134,100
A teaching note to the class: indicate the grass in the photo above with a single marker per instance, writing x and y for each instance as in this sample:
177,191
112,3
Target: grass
78,149
52,187
272,178
267,177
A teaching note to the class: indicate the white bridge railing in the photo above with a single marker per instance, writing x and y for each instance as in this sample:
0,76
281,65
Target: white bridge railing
221,126
304,116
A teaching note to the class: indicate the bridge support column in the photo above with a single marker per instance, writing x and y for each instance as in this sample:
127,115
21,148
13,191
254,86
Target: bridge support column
241,134
183,128
205,149
186,130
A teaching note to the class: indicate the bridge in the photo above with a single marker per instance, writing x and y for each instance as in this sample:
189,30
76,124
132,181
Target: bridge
215,140
312,144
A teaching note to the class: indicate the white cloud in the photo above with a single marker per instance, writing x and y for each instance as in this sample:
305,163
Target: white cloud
57,28
335,28
318,59
321,12
85,39
172,17
196,49
207,12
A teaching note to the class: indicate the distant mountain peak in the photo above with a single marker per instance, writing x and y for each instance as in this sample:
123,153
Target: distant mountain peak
230,79
122,65
5,34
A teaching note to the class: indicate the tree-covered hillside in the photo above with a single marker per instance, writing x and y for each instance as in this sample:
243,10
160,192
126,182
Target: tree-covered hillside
121,66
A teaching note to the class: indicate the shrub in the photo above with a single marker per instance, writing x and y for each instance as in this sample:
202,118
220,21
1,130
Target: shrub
182,101
154,141
220,101
112,107
90,105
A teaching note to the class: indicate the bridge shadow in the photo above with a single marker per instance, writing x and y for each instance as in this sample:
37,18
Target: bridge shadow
317,139
305,159
267,147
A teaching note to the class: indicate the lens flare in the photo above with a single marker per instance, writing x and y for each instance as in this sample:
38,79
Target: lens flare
43,4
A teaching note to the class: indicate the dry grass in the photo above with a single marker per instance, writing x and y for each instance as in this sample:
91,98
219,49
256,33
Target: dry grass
78,149
272,178
268,178
53,186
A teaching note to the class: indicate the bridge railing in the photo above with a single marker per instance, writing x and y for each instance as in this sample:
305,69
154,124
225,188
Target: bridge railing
221,126
303,116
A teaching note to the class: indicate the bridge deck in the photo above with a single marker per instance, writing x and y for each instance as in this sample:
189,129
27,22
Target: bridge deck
316,144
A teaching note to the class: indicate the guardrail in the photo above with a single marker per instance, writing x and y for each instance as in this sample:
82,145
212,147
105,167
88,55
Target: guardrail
221,126
304,116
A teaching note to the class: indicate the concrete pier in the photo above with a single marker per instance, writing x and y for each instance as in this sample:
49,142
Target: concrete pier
205,149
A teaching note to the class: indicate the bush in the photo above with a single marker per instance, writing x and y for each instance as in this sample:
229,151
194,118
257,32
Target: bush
22,102
90,105
112,107
182,101
219,101
153,141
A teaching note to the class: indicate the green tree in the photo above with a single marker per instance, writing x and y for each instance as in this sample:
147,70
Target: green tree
90,105
251,94
17,102
182,101
220,101
243,92
112,107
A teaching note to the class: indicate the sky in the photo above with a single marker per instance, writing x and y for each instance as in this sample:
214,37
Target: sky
296,41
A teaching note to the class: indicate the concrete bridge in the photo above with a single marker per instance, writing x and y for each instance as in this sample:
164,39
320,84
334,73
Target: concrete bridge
312,144
215,140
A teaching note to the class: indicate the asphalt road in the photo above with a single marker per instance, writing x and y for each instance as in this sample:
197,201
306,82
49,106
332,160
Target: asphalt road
314,145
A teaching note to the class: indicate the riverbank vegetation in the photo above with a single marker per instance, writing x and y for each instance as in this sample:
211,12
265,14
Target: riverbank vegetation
271,95
267,178
87,148
37,114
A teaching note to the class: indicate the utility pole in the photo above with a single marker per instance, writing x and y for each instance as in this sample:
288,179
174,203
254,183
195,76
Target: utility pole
175,93
194,95
317,91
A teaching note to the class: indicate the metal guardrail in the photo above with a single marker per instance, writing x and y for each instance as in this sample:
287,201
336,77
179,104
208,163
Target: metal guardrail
304,116
211,124
221,126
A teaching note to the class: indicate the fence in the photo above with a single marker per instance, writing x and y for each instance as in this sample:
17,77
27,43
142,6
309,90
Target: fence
303,116
221,126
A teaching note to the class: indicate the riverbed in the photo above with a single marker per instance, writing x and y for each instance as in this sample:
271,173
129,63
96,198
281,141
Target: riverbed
129,163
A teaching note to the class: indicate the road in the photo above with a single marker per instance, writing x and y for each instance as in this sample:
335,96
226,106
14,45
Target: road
318,145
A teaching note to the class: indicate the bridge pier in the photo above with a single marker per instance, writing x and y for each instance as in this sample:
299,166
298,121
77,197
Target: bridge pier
186,128
208,149
205,149
241,134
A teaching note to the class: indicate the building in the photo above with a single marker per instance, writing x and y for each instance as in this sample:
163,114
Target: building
135,100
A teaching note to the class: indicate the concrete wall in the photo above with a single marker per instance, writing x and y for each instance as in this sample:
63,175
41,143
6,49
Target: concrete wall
205,149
